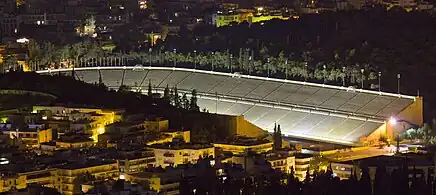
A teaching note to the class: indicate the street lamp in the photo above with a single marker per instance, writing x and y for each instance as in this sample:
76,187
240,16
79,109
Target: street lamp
307,73
194,190
268,66
249,65
379,81
195,59
175,52
149,54
324,73
343,76
398,82
286,70
212,59
231,59
363,76
393,121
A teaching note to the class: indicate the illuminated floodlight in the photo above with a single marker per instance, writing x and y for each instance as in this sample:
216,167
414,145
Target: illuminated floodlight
22,40
392,121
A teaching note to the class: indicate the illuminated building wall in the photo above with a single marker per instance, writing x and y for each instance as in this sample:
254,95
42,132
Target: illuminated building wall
225,19
167,182
302,164
255,19
239,149
285,164
98,118
173,157
135,164
10,182
75,144
32,138
65,177
412,113
156,125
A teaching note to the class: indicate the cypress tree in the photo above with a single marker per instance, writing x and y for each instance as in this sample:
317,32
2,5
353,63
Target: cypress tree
185,102
166,95
176,98
150,92
275,137
279,137
193,104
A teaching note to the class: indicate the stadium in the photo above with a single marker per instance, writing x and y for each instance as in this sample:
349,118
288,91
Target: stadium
305,110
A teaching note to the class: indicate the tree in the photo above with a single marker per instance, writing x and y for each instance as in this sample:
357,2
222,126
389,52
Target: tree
193,103
9,63
150,89
124,88
33,54
185,102
166,95
176,98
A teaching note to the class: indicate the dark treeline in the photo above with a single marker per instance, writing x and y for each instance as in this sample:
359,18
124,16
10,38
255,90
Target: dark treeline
204,127
397,182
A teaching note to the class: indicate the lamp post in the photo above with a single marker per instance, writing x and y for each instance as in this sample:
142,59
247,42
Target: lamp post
286,69
149,54
363,76
307,73
398,82
267,64
343,76
249,65
324,73
212,59
393,121
379,81
231,60
195,59
175,60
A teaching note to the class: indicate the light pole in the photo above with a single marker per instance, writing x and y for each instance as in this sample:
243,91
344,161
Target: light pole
393,121
343,76
363,76
195,59
398,82
175,52
231,60
212,59
307,72
149,54
379,81
324,73
249,65
267,65
286,69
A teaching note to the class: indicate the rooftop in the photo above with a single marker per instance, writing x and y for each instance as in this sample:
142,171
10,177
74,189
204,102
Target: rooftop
302,155
244,141
86,163
180,146
74,139
410,159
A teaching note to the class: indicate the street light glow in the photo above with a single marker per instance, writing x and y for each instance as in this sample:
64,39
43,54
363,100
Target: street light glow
392,121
